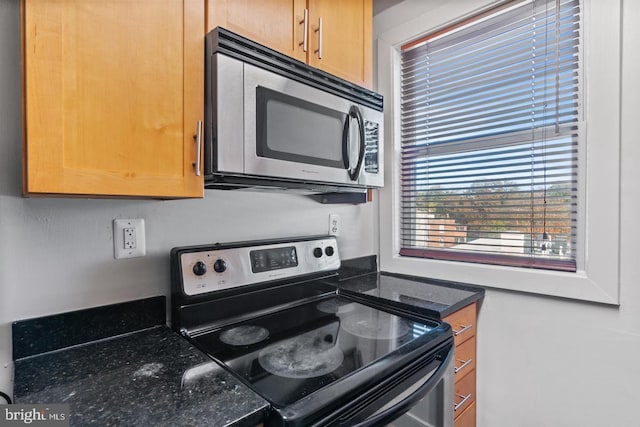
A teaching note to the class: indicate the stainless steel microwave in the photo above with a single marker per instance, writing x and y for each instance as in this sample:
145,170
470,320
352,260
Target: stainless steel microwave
273,121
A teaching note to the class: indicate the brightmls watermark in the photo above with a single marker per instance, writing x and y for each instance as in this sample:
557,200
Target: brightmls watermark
34,415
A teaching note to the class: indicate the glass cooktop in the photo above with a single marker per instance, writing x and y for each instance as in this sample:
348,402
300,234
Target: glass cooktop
292,353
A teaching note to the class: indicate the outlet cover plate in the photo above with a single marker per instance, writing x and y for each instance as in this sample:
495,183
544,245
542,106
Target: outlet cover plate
126,245
334,224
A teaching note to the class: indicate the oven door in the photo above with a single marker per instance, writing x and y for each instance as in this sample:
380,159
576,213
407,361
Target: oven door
295,131
422,397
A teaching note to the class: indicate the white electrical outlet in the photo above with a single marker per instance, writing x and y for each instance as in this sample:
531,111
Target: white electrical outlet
128,238
334,224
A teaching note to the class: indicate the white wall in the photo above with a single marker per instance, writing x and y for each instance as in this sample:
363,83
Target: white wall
546,361
56,254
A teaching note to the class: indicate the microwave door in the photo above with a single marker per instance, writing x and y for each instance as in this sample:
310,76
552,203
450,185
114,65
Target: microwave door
293,131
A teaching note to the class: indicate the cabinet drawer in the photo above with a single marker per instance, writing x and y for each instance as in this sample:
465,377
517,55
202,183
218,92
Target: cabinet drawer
465,358
467,418
463,323
465,393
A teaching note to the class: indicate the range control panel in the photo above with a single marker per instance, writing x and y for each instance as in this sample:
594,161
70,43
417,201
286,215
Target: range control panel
215,268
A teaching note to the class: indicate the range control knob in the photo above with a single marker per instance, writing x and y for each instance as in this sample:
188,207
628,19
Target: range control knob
220,266
317,252
199,268
328,250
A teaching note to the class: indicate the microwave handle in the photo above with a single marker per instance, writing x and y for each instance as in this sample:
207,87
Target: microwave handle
346,148
354,112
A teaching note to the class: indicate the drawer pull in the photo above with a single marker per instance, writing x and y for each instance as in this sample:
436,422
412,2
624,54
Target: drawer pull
465,363
463,330
462,402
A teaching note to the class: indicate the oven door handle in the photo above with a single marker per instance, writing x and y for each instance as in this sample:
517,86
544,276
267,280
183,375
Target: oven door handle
392,413
354,112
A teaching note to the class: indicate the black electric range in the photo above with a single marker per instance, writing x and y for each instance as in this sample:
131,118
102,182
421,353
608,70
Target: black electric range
267,312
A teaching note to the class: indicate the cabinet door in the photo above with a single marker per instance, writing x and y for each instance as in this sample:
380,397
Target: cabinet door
278,24
113,95
346,39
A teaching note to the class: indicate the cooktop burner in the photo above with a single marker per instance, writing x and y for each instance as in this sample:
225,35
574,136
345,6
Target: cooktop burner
244,335
376,325
308,355
333,306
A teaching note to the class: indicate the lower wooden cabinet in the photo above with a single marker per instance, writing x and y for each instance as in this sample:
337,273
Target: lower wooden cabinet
463,323
467,418
465,358
465,393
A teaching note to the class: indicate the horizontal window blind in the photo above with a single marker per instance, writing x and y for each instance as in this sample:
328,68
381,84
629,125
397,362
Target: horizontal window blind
489,135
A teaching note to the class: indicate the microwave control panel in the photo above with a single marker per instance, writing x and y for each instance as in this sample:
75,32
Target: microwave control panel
371,142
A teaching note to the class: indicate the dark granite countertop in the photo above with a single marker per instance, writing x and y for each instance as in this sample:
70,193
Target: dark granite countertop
145,377
121,365
434,298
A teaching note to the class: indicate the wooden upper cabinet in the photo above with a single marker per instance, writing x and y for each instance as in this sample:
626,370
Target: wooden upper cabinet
343,46
113,96
279,24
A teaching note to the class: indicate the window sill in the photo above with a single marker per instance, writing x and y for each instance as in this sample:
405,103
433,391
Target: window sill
553,283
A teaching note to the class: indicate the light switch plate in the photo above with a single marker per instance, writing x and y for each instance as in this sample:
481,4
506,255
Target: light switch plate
128,238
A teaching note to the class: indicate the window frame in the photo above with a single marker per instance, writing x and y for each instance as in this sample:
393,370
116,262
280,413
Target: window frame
597,277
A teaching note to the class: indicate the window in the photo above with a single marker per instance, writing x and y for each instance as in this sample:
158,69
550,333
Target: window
598,240
489,120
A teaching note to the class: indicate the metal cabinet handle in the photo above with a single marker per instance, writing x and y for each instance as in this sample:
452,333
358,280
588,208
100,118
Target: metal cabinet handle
463,330
465,363
305,29
462,402
198,138
319,31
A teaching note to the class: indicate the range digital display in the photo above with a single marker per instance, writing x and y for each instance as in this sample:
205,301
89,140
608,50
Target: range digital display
273,259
